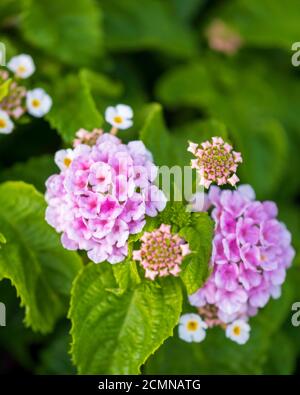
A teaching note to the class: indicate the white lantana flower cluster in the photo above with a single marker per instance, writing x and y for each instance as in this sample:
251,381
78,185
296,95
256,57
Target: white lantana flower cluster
19,99
192,328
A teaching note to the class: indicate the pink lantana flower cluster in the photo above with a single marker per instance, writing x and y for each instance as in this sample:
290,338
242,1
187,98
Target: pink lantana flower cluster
215,162
222,38
18,99
161,252
251,253
102,195
83,136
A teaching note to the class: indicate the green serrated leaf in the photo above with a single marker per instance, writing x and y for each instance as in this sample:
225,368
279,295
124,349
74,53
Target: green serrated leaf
126,274
186,85
103,89
187,9
33,258
126,328
199,235
74,107
156,137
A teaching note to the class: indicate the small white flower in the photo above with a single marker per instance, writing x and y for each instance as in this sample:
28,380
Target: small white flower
238,331
6,124
63,158
192,328
38,102
120,116
22,65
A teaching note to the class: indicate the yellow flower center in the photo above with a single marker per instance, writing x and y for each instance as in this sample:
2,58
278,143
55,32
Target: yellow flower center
21,69
237,330
118,119
2,123
36,103
67,162
192,325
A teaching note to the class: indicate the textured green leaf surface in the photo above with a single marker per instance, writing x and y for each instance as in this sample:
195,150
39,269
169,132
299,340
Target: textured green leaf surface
198,234
69,30
156,137
115,333
74,107
33,258
126,274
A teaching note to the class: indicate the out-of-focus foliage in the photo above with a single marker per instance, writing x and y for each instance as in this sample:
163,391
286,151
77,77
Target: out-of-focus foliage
94,53
261,23
67,30
152,24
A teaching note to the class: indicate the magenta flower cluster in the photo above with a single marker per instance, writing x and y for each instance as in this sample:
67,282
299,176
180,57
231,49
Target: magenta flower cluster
251,252
102,195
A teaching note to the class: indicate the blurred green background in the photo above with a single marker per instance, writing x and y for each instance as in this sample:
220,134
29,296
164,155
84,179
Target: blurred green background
203,60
